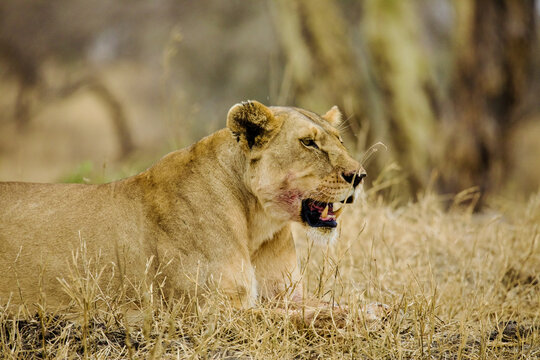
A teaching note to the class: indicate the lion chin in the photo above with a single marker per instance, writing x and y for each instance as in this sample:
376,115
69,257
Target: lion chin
321,236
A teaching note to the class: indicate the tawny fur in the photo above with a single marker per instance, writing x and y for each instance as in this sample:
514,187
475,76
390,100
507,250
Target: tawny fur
215,214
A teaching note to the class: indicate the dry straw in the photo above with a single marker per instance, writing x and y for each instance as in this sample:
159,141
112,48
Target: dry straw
461,286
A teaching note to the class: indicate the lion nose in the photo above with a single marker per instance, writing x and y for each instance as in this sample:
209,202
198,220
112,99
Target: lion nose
353,178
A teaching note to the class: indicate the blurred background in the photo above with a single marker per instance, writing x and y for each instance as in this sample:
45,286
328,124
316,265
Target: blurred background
96,90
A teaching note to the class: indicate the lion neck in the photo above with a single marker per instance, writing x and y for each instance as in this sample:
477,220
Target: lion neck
233,163
217,165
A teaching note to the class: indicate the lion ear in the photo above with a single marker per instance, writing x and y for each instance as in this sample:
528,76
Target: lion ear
252,123
333,116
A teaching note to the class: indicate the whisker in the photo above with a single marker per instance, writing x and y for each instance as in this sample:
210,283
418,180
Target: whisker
371,151
345,124
341,127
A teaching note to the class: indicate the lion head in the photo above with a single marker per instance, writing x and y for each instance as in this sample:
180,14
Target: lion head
296,164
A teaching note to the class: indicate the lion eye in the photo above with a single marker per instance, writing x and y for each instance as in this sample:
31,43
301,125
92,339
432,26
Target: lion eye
309,143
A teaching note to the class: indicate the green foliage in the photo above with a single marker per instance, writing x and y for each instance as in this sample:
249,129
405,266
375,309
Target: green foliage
82,174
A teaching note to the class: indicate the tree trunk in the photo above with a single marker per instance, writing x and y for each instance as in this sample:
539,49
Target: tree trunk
385,94
389,87
493,66
319,57
402,76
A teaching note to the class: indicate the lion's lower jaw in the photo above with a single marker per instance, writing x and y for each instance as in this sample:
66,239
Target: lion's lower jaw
320,235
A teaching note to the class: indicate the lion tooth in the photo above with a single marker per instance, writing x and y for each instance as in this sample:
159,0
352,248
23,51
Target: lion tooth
325,212
338,212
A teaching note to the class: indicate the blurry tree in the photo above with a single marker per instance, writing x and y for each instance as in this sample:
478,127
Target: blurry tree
325,71
440,82
34,89
320,61
389,88
83,41
405,87
113,105
493,70
33,32
24,69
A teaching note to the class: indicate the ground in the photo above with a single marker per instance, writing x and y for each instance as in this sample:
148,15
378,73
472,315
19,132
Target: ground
461,285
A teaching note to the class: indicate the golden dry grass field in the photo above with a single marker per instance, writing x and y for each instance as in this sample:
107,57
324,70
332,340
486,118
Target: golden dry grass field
450,86
461,286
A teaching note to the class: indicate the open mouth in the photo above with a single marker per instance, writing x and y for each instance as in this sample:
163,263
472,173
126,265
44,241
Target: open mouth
320,214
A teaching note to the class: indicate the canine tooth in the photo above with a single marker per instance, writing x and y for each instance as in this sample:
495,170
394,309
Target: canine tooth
325,212
338,212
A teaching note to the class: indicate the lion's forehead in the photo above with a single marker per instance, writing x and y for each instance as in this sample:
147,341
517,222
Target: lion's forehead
307,117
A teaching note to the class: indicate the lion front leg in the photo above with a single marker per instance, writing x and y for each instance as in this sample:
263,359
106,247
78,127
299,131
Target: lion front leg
238,284
278,278
276,268
228,278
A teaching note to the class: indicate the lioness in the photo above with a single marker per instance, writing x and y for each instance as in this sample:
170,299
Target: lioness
217,213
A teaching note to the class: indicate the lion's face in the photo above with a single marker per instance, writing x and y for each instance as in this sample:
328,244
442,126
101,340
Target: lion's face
298,167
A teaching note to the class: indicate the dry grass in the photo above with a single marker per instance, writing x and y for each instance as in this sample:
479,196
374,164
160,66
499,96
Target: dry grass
463,286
